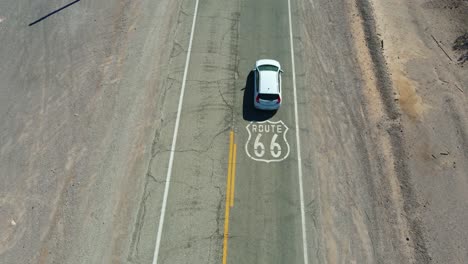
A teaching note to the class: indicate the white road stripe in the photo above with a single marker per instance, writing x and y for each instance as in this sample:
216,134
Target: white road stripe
174,141
298,147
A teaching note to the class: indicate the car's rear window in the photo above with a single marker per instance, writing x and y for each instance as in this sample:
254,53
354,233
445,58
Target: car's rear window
267,68
269,97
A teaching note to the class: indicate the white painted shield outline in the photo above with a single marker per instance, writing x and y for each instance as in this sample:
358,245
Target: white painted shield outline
250,136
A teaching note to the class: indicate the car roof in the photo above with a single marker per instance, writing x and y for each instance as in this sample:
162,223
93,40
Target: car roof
268,82
267,62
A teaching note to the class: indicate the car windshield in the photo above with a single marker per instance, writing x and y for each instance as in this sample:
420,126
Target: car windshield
269,97
267,68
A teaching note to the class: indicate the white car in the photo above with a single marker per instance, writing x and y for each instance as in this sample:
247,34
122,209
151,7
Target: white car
267,86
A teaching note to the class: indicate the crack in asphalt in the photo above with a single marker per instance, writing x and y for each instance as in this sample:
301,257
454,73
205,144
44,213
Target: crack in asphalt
224,100
136,237
199,151
219,222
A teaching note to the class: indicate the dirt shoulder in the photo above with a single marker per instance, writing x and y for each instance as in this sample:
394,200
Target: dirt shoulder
423,46
80,101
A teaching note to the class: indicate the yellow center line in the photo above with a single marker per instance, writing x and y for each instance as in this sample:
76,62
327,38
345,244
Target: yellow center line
233,175
228,191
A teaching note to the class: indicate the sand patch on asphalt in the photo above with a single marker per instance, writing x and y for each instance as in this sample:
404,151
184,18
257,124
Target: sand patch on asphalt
410,102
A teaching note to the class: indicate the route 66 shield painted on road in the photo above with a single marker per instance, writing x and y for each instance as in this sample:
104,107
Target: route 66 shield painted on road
267,141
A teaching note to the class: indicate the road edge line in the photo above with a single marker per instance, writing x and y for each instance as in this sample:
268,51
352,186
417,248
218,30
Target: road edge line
298,143
174,141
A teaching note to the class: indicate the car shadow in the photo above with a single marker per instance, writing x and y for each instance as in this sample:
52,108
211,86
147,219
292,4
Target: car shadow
249,112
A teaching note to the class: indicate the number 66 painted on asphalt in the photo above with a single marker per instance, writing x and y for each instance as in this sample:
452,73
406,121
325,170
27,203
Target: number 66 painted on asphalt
273,145
267,141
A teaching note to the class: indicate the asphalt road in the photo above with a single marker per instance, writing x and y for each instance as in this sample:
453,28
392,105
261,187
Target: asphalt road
90,105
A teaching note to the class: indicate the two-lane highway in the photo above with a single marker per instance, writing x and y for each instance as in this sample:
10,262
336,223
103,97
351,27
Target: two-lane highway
265,222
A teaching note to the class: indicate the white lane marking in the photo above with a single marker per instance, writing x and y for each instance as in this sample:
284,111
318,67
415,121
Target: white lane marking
174,141
298,147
